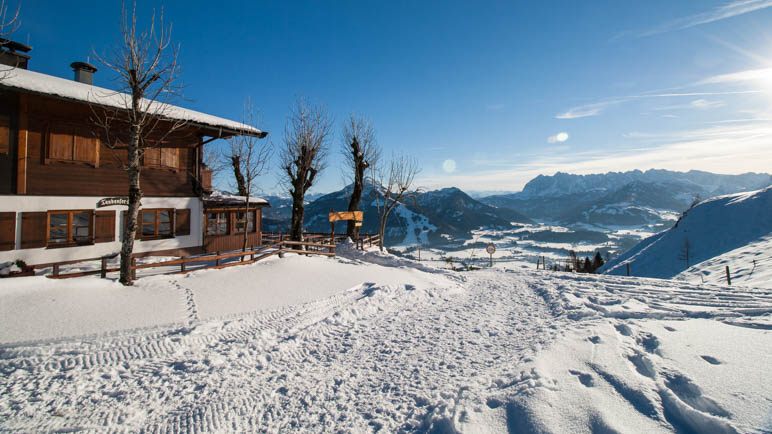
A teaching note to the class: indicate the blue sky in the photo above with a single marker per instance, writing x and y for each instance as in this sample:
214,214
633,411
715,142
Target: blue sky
506,90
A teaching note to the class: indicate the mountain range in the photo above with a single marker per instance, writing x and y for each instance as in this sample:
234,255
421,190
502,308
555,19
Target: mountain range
425,217
653,199
633,198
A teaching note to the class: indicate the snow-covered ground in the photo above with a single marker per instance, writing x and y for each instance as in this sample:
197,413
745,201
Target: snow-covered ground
749,265
369,342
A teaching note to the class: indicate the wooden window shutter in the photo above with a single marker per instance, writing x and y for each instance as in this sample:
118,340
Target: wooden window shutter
124,223
85,149
7,230
33,229
152,157
182,222
60,145
5,134
170,157
104,226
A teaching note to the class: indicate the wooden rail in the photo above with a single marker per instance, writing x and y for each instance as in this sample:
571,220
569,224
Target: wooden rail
207,261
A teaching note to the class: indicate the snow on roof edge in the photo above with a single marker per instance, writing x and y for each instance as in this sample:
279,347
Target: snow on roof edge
45,84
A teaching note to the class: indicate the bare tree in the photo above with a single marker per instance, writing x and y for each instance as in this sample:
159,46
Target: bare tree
360,152
396,185
303,156
9,23
146,66
248,160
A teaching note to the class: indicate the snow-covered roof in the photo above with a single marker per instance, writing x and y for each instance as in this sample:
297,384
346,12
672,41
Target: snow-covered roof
35,82
220,198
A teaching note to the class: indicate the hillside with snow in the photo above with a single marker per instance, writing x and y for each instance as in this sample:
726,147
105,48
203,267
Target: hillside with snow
749,265
710,229
367,342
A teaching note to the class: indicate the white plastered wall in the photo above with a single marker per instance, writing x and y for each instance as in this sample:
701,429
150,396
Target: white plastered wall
21,204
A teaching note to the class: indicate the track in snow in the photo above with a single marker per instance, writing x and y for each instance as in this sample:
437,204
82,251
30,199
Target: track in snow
393,358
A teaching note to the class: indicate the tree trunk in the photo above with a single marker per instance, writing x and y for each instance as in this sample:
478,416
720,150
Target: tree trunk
135,195
296,228
352,230
241,184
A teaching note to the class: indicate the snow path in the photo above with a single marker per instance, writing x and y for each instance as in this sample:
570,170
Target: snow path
391,357
486,351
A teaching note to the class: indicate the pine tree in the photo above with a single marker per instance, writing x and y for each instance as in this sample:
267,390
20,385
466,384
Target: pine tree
597,262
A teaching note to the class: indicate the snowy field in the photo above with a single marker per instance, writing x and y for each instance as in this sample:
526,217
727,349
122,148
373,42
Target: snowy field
370,342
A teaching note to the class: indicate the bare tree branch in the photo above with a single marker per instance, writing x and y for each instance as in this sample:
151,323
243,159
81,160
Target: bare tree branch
248,160
145,64
303,156
360,153
9,23
395,182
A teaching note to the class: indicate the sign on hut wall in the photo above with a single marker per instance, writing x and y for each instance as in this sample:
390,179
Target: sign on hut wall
112,201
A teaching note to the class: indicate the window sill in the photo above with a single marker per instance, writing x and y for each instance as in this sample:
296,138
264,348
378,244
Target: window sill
162,237
72,162
168,169
65,245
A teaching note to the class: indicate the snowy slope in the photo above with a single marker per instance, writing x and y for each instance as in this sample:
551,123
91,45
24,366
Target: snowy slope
407,349
749,265
713,227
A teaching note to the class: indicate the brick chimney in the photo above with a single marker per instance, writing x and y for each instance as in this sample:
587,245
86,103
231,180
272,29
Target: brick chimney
84,72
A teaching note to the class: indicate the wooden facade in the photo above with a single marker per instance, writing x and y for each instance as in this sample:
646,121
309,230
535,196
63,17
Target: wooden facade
57,164
92,168
219,237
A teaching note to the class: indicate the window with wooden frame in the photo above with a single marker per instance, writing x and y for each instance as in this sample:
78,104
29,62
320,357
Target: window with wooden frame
69,228
155,223
5,134
71,144
216,223
244,220
162,158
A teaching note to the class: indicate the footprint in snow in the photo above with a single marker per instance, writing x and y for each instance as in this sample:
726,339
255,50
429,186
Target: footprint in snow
594,339
584,378
712,360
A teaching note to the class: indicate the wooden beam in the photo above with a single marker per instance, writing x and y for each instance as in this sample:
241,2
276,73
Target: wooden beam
21,146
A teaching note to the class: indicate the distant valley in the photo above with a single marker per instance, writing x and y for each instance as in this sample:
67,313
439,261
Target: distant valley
553,214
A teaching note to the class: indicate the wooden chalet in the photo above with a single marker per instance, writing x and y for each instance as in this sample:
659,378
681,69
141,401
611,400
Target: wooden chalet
62,181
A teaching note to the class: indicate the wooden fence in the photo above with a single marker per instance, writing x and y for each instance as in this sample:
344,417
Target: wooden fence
206,261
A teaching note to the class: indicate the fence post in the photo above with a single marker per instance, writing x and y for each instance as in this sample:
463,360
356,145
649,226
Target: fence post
103,269
537,263
217,260
182,265
56,269
728,277
252,256
627,265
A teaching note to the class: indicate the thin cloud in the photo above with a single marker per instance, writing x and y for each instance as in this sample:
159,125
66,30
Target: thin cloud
587,110
594,109
729,10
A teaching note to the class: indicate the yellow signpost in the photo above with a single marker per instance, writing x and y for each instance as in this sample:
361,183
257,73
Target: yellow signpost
356,216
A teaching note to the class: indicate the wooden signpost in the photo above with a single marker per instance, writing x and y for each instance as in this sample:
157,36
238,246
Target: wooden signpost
356,216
